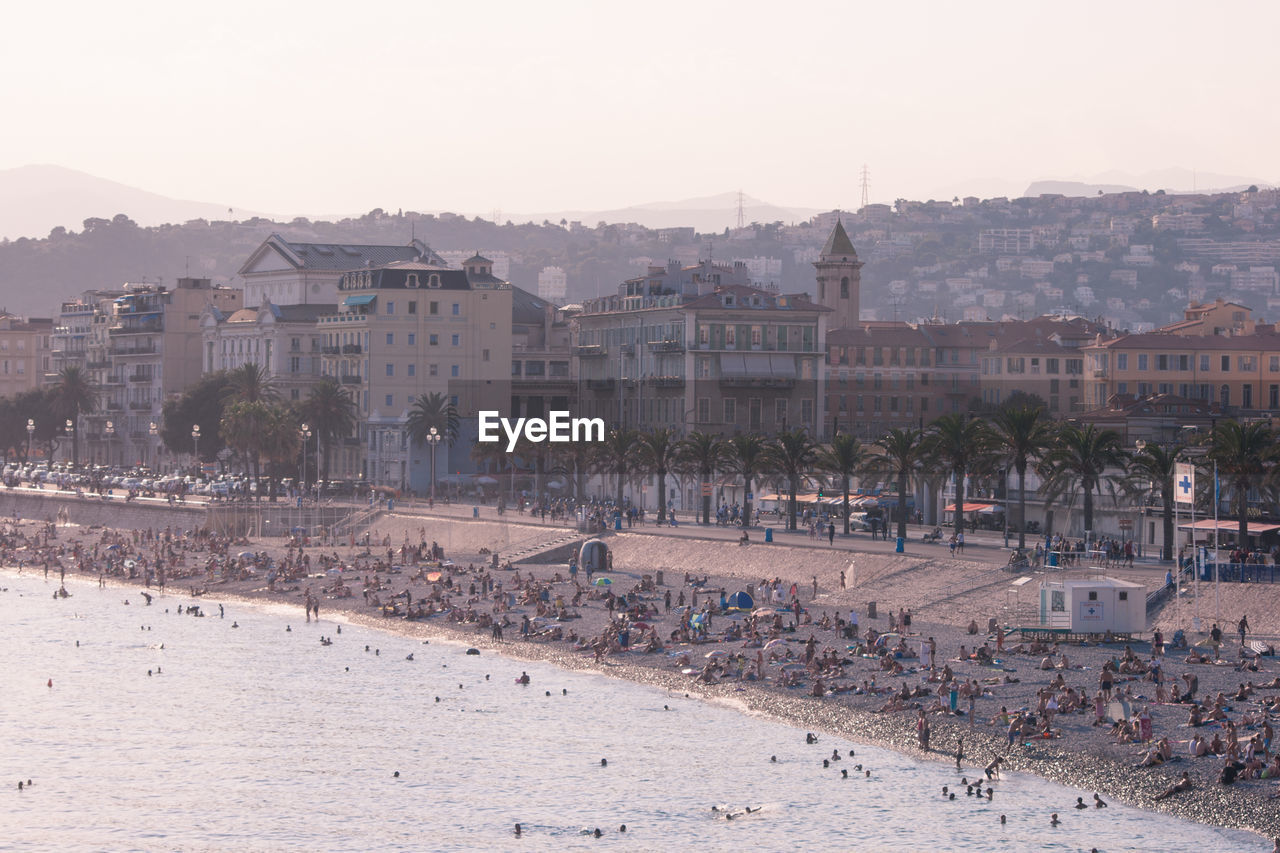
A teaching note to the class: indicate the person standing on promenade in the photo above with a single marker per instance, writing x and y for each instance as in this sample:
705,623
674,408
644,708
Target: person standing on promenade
1243,627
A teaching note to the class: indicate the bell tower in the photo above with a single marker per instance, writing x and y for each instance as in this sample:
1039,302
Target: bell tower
839,278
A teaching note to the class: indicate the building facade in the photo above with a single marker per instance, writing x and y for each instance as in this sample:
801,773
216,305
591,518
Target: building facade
282,339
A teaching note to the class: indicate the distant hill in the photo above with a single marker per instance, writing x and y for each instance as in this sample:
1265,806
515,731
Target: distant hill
708,215
38,199
1171,180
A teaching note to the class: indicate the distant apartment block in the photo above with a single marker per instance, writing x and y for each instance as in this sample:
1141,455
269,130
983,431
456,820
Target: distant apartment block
25,353
553,284
1006,241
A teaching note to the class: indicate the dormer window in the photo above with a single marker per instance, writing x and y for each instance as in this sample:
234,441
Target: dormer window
412,280
433,280
728,300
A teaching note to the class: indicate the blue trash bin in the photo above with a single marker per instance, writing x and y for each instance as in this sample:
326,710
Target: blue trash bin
901,546
617,522
768,534
475,512
1053,558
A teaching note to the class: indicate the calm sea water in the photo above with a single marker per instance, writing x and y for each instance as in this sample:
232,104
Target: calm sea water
257,738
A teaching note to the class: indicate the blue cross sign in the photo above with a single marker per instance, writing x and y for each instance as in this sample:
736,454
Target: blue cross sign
1184,483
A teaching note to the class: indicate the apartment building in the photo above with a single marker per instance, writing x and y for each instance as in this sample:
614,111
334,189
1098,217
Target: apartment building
142,347
696,346
410,328
25,353
71,330
541,379
282,339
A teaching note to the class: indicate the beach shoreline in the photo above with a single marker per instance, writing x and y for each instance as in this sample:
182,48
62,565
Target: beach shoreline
1079,760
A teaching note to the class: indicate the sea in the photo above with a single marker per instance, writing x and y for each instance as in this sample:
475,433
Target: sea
148,728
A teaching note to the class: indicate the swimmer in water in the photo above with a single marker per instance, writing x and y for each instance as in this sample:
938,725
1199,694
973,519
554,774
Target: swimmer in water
517,830
1053,819
1098,803
1080,803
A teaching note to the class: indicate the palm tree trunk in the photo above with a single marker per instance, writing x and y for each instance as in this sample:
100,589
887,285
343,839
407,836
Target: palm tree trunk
902,503
959,519
746,500
793,511
1088,510
662,495
618,497
845,483
1242,513
1022,507
1166,551
706,498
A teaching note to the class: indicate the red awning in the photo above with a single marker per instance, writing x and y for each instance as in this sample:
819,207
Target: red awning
970,507
1229,525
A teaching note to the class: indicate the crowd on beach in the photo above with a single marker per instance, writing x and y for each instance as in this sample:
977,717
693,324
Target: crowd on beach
1124,700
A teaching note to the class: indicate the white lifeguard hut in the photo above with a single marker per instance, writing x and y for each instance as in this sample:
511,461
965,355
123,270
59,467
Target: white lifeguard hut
1093,606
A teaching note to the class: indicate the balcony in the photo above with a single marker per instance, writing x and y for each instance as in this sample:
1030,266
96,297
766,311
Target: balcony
114,407
351,349
350,380
666,346
590,351
140,377
330,350
137,349
113,380
601,384
140,406
1099,373
96,365
149,327
778,382
668,382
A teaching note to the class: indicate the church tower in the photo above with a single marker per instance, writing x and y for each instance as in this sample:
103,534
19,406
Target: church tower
839,278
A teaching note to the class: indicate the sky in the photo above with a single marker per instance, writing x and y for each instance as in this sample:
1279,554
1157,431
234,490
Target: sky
324,108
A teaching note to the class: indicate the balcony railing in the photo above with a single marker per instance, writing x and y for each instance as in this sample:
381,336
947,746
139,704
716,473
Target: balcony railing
96,365
140,406
590,351
140,349
666,346
140,377
668,382
350,380
351,349
151,327
757,382
330,350
601,384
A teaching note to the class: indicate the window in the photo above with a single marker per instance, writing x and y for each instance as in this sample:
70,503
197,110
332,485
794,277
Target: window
433,307
730,336
413,339
434,340
391,308
1093,595
433,370
412,368
1123,595
1184,362
453,371
1246,396
295,364
1162,362
457,309
1122,361
703,413
388,401
844,288
757,336
1275,364
1204,364
413,306
780,411
1226,364
1273,397
1248,363
806,411
730,410
534,368
558,368
703,367
456,340
391,370
1051,366
515,368
1143,363
391,339
484,355
1224,395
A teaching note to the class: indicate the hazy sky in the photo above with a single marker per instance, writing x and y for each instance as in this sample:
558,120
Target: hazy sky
341,107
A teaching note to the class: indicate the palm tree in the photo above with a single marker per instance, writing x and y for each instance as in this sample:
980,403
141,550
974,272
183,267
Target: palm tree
792,454
845,458
73,394
616,455
745,456
1152,469
280,444
702,453
331,413
244,428
901,453
1080,457
433,410
961,446
1243,453
251,383
1021,434
573,460
656,453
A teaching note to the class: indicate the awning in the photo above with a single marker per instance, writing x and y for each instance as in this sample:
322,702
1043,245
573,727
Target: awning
732,364
1255,528
359,299
757,364
782,366
971,507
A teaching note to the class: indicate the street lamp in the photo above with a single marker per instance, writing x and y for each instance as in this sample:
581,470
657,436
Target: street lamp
31,431
433,438
305,432
71,432
195,440
109,431
153,431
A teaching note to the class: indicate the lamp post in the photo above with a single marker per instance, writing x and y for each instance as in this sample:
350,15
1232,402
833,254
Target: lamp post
305,432
70,429
153,431
109,431
31,432
195,440
433,439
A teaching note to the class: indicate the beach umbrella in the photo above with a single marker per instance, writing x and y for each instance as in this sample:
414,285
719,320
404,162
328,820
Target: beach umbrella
113,547
773,644
432,577
602,582
245,555
129,564
716,655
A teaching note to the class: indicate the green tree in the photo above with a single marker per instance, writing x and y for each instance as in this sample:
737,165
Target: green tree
701,453
656,453
573,460
1080,458
844,458
1244,453
251,383
792,453
961,446
279,445
616,456
202,405
331,414
900,454
1021,434
1150,471
745,456
73,393
244,428
433,410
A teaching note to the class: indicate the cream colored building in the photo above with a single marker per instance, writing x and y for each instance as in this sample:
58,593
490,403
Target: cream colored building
25,355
